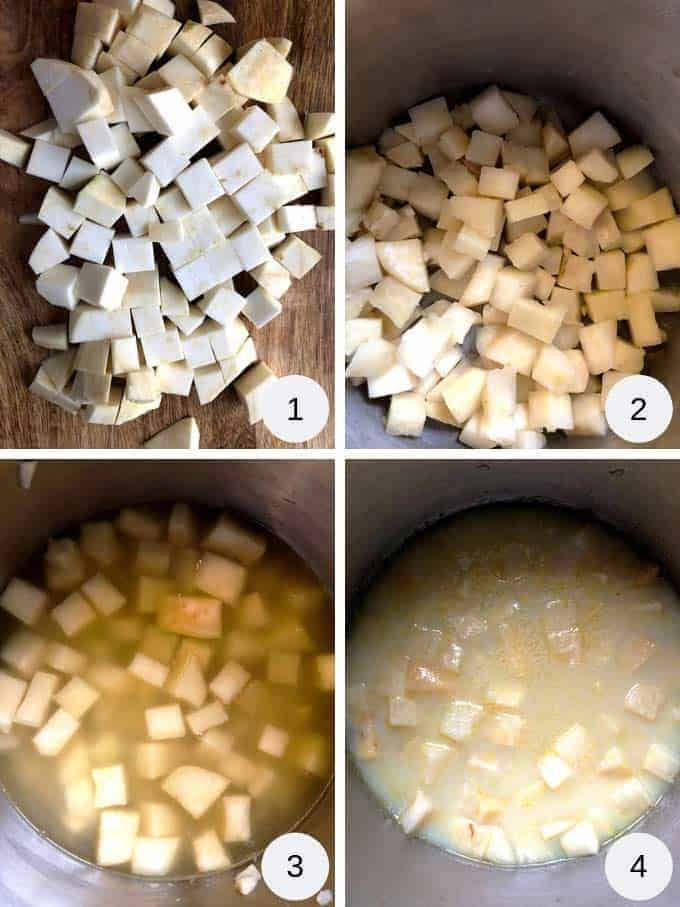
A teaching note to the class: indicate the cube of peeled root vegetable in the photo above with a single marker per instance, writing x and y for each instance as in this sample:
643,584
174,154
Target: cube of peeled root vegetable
324,666
229,538
154,856
165,722
581,840
230,681
24,601
262,74
469,838
117,835
197,616
195,788
284,668
508,694
662,762
273,741
536,320
613,762
662,242
631,797
210,716
53,736
504,728
460,719
73,614
186,681
236,818
24,651
151,592
100,543
209,854
155,760
153,558
403,712
462,393
34,706
79,801
406,416
149,670
554,770
12,691
140,524
103,595
253,612
247,880
645,700
77,697
221,577
110,786
159,820
416,813
642,321
572,745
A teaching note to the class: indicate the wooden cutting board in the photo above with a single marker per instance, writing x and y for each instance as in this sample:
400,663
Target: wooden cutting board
299,341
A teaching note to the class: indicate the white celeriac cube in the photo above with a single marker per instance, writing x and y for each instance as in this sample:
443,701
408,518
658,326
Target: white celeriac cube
195,788
48,161
117,835
77,697
110,785
236,819
200,185
56,733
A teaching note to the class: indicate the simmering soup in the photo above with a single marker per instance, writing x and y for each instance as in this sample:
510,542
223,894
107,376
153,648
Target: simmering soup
513,685
165,690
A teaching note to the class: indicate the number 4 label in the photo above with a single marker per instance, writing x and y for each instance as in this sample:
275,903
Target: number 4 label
638,866
295,867
639,409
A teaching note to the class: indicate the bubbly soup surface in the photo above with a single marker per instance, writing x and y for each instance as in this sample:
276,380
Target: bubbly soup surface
216,624
513,686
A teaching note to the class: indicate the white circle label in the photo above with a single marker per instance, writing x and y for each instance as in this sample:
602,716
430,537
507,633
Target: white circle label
639,409
295,867
295,409
638,866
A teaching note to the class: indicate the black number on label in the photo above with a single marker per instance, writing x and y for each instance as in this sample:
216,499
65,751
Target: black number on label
641,406
296,871
295,406
639,866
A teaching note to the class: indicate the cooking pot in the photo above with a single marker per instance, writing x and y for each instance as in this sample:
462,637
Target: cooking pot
387,502
293,500
579,55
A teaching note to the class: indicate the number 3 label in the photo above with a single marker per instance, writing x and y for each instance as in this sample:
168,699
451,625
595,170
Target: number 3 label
639,409
638,866
295,409
295,867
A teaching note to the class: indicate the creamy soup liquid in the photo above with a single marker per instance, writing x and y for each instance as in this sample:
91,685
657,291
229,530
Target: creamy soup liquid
507,603
115,726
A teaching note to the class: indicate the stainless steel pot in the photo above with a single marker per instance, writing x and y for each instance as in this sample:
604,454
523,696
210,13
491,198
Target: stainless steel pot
580,54
294,500
387,502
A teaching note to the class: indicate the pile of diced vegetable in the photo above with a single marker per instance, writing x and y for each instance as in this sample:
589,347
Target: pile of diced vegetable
173,681
143,243
543,250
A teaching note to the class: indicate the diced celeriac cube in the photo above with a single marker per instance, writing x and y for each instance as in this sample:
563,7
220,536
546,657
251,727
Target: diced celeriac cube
73,614
56,733
613,761
209,854
644,700
165,722
77,697
198,616
195,788
24,601
117,835
110,786
236,819
554,770
659,760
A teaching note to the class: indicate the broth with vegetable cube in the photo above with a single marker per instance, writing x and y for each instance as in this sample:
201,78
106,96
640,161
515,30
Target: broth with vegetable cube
513,692
166,683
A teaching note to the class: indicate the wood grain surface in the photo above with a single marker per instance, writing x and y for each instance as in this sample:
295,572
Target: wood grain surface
299,341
